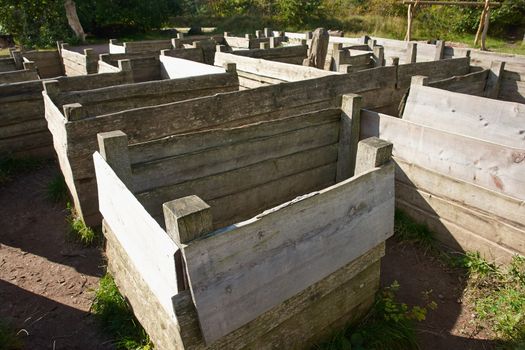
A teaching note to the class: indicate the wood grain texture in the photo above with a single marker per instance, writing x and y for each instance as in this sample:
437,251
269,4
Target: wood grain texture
148,245
493,166
479,117
230,292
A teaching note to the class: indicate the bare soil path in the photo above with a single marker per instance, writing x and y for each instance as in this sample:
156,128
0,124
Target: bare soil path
46,283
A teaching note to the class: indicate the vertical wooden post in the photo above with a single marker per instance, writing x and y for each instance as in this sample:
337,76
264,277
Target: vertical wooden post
17,57
379,56
180,35
29,65
113,147
485,30
258,34
372,153
408,35
348,135
186,218
264,46
394,61
176,43
419,80
230,67
440,50
268,32
411,52
494,79
481,22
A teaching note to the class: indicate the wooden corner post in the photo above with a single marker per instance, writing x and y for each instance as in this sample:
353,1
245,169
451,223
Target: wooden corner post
348,136
372,153
113,147
494,79
186,219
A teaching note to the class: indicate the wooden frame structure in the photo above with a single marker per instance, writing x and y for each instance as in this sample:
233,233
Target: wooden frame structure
483,23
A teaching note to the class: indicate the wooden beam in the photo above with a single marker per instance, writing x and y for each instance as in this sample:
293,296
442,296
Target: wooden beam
458,3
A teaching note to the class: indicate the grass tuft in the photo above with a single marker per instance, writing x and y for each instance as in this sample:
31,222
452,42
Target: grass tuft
116,317
8,338
498,297
57,191
390,325
79,231
406,229
11,166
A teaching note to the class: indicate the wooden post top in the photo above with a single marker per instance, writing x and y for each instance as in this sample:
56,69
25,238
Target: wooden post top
187,218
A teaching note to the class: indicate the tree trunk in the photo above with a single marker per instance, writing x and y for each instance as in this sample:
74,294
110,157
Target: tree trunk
72,19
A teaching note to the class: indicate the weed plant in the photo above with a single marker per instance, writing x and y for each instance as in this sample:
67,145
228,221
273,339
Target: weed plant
57,191
498,296
79,231
390,325
116,317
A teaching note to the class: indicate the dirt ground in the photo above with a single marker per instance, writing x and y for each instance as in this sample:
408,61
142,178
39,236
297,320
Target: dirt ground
46,283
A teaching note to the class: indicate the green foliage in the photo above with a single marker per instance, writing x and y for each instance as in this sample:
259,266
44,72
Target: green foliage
8,338
498,296
406,229
298,11
57,191
11,166
116,317
79,231
390,325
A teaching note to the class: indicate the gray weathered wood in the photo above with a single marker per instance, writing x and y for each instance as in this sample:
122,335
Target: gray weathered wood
236,283
317,49
187,218
113,147
494,79
348,135
372,152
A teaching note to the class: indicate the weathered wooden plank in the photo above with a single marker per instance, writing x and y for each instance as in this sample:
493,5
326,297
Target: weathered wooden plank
235,155
487,225
456,237
172,68
287,54
483,118
276,70
512,91
18,76
348,286
225,290
434,70
493,166
472,83
121,97
464,193
150,249
198,141
223,184
243,205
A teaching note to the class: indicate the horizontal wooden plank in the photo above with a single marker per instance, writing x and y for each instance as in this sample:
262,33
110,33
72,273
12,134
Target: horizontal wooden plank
230,292
127,96
24,127
173,68
243,205
484,224
149,247
21,143
198,141
456,237
434,70
228,157
224,184
479,117
18,76
505,208
277,70
472,83
493,166
512,91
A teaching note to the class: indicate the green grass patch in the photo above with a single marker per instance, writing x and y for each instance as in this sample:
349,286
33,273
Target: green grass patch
497,294
8,337
57,191
406,229
79,231
12,166
390,325
116,317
